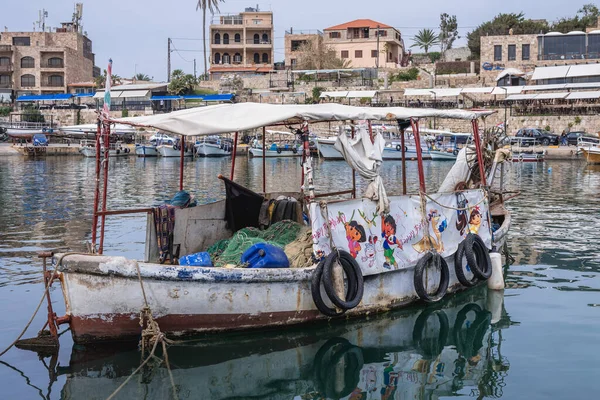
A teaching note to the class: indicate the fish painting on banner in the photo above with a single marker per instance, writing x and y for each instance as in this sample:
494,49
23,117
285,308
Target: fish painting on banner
398,239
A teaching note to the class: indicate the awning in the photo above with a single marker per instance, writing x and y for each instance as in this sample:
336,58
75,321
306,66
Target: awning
478,90
353,94
114,94
550,72
550,96
584,95
418,92
583,70
45,97
509,90
446,92
516,97
209,97
510,72
84,94
133,93
158,98
334,94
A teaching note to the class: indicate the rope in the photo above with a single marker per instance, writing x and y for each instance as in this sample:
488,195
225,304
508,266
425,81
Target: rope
455,208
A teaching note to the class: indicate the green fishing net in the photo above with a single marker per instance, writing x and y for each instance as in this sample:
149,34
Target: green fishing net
229,251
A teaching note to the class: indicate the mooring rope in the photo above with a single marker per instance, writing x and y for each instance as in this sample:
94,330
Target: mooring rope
455,208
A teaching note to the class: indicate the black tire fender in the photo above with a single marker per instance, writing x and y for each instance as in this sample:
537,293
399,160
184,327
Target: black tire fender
354,275
278,150
455,152
435,259
478,256
398,147
315,289
458,267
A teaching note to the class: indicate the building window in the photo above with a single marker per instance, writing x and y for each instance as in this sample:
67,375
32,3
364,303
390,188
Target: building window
4,61
344,53
265,38
256,58
237,58
21,41
382,33
525,52
373,53
55,62
293,62
256,38
357,53
217,58
295,44
237,38
4,81
512,52
226,38
27,80
335,35
498,53
256,21
27,62
265,58
56,80
217,38
226,58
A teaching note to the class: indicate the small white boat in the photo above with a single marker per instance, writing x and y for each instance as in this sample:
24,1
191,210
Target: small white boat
214,146
528,156
85,130
392,150
88,149
174,150
145,150
446,146
275,150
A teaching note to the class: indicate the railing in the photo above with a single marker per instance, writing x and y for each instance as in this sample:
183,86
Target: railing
229,42
6,68
255,41
55,64
5,47
228,20
6,85
304,32
569,56
54,84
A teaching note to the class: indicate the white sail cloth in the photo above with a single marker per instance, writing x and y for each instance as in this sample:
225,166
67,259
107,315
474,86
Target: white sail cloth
365,157
460,170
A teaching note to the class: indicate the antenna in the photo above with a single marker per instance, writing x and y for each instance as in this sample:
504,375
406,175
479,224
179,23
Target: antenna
41,22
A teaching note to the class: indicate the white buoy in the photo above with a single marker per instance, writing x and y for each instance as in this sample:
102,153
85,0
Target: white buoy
496,281
495,299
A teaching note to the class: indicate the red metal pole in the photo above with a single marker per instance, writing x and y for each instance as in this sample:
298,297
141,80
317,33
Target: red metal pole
105,184
479,151
181,162
97,190
415,128
235,143
403,160
264,160
370,131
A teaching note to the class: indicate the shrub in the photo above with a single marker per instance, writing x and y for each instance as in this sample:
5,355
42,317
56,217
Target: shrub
577,120
316,93
410,75
32,114
548,128
124,113
5,111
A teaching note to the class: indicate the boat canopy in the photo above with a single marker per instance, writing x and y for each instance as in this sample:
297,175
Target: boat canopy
227,118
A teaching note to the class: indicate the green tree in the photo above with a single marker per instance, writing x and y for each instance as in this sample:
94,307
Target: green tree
101,80
182,83
141,77
448,31
425,39
503,24
586,17
212,6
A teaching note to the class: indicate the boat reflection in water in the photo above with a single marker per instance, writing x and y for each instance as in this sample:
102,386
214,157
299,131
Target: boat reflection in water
415,353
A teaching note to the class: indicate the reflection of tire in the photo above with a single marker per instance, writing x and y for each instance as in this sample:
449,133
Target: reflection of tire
478,256
458,267
425,261
469,339
327,359
431,348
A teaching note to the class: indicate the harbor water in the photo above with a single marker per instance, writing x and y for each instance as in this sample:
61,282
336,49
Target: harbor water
536,340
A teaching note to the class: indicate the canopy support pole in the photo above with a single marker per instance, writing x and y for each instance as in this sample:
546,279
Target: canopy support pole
264,161
181,163
353,170
479,150
105,187
97,189
402,143
415,129
307,174
235,143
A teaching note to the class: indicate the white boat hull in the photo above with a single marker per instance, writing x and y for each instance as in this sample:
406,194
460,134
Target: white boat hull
257,152
91,152
329,152
146,151
437,155
211,150
169,151
18,132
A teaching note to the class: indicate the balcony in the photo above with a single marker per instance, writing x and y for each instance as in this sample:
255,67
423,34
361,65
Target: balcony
5,48
6,68
228,45
258,43
6,85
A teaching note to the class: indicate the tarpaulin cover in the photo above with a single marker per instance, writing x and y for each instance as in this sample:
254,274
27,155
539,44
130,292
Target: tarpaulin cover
242,206
400,238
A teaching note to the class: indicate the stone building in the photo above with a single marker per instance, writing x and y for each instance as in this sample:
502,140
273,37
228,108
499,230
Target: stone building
242,43
367,44
294,42
44,62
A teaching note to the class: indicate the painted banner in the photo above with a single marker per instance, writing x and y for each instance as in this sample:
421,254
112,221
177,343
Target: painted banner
399,239
107,86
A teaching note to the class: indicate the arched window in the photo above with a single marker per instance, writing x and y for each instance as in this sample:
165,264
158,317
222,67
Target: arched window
226,58
4,61
27,80
265,38
56,81
55,62
256,38
265,58
237,58
217,59
237,38
256,58
226,38
27,62
217,38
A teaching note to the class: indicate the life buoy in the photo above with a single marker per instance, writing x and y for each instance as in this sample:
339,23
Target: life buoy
436,260
459,264
478,256
44,130
278,150
175,147
455,152
353,273
398,147
295,150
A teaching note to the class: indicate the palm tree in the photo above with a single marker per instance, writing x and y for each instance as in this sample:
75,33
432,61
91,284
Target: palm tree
212,6
141,77
425,39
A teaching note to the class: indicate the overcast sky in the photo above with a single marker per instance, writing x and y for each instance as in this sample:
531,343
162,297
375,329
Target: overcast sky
134,32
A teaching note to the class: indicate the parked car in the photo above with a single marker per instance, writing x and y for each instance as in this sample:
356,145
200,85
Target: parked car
576,138
535,136
39,139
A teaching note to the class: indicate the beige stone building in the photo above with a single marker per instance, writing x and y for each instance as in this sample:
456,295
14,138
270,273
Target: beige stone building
367,44
44,62
294,42
242,43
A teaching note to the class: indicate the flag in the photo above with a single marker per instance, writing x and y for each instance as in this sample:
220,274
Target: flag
106,107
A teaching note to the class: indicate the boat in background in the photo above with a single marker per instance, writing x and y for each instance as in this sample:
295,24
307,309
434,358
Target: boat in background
528,155
279,148
89,130
214,146
145,150
447,145
592,154
172,150
116,149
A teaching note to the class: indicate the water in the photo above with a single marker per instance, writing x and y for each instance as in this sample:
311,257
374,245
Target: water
540,343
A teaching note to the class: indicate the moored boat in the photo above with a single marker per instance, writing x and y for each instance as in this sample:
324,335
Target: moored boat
401,249
172,150
591,154
145,150
528,155
214,146
87,148
446,146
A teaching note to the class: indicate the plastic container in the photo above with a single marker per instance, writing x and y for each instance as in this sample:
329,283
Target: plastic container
496,281
196,260
264,255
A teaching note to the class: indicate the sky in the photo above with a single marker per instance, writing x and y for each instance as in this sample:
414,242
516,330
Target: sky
134,33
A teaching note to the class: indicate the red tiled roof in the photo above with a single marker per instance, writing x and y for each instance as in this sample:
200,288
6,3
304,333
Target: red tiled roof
82,84
358,23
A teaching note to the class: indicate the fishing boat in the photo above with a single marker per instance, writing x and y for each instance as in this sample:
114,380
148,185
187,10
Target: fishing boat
528,155
213,146
446,146
89,131
145,150
87,148
278,148
395,250
592,154
173,150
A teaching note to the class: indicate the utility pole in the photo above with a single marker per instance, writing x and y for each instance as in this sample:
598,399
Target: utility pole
377,59
168,59
195,69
